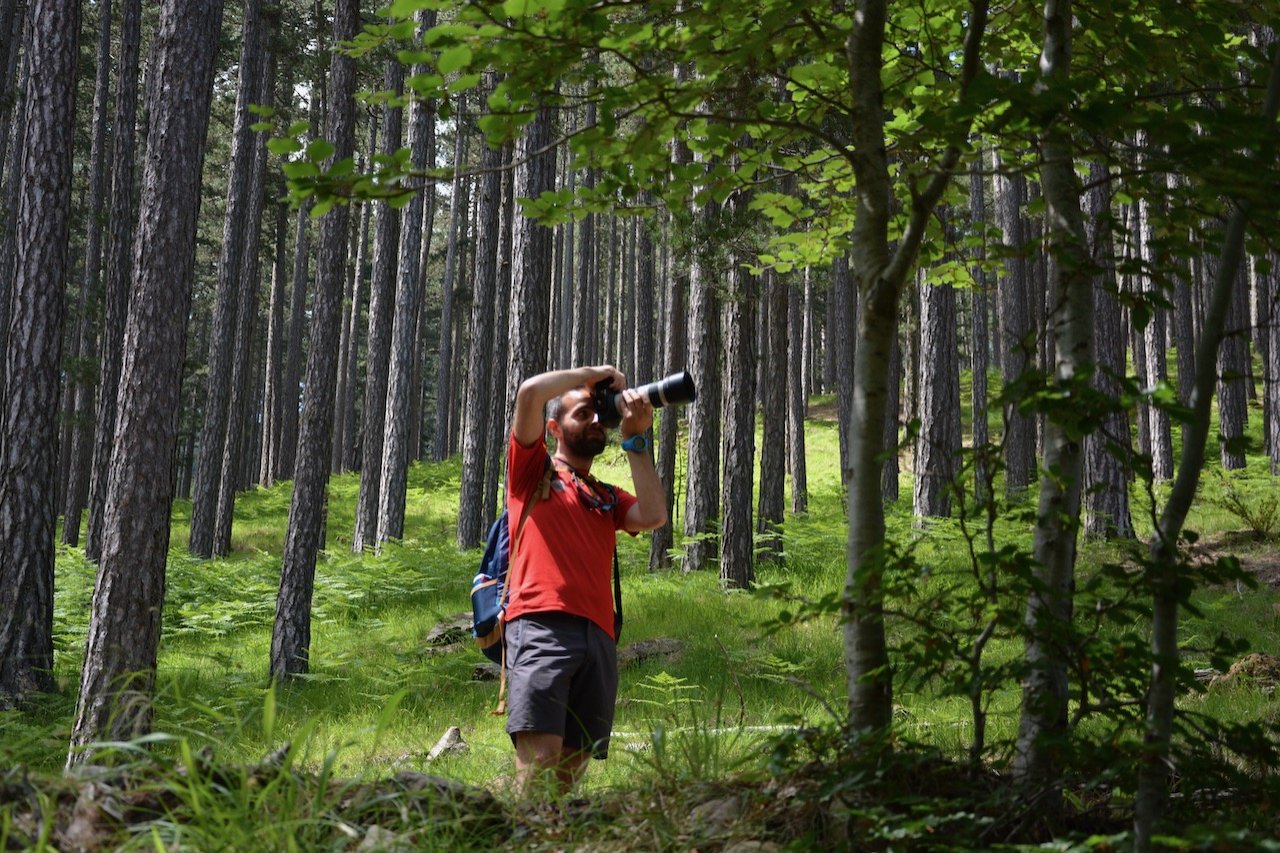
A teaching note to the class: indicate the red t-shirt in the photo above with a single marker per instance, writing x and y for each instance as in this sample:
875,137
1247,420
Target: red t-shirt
562,559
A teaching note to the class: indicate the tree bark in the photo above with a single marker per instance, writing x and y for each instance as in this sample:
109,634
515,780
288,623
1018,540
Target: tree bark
1106,480
842,325
229,480
444,373
1038,758
118,677
662,540
1016,342
737,569
383,303
213,435
28,456
404,333
530,260
291,636
773,447
938,445
980,346
81,448
475,442
498,429
1233,373
797,399
273,359
702,493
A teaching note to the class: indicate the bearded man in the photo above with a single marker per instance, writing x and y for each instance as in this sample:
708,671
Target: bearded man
560,627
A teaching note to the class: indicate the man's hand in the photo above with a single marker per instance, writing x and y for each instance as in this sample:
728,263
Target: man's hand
637,413
535,392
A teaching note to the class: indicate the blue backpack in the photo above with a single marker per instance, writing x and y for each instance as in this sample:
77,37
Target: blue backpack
487,590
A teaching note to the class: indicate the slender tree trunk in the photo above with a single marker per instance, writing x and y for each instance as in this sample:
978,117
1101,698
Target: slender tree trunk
892,423
444,373
842,325
404,335
1166,579
204,505
289,386
291,636
81,450
475,443
348,454
938,445
880,276
383,303
28,455
117,681
737,569
530,261
980,348
1038,758
1271,394
662,541
702,493
773,447
1233,374
1106,482
1016,341
498,429
1154,368
273,358
797,399
246,312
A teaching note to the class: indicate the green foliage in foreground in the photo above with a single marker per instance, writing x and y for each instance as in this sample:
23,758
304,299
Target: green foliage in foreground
747,713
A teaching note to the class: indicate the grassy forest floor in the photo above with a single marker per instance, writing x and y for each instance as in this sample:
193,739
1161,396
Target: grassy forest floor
727,738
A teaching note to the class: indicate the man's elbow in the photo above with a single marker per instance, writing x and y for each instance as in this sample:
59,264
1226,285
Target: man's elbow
651,520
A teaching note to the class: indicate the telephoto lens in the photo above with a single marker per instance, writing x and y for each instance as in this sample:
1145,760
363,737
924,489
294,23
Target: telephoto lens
675,389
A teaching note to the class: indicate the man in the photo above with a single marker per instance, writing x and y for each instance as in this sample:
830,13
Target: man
560,633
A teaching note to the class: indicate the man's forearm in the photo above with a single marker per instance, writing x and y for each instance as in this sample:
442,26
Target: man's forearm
650,511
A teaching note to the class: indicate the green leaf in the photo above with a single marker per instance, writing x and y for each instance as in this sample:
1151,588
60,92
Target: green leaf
283,147
319,150
454,58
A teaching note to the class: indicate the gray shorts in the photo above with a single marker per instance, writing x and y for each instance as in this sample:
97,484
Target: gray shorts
562,679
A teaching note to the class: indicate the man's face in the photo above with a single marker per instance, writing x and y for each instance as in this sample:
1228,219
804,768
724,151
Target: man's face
580,432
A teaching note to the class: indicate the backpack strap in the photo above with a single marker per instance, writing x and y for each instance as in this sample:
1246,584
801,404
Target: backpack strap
542,493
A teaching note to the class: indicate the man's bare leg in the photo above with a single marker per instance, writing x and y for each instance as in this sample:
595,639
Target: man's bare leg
540,752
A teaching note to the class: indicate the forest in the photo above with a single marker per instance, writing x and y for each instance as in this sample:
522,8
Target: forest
973,523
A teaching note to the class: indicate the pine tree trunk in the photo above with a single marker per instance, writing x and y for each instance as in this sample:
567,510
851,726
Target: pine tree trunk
289,386
1070,321
28,455
892,423
498,429
348,454
702,484
938,445
404,335
383,303
247,311
444,373
737,569
1106,486
797,398
980,347
81,450
1233,370
117,680
273,358
217,415
291,636
476,429
1154,368
1016,342
530,261
662,540
773,447
842,326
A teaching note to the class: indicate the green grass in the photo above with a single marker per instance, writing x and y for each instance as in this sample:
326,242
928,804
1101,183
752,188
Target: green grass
377,698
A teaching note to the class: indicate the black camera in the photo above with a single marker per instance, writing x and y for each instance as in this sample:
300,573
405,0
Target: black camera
674,389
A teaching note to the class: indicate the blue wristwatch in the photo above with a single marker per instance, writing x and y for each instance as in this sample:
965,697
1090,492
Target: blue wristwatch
638,443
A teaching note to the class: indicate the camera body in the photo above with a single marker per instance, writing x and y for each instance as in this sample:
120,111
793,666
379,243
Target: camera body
672,390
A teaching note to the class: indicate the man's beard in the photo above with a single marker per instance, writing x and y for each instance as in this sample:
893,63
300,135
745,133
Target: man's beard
585,443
